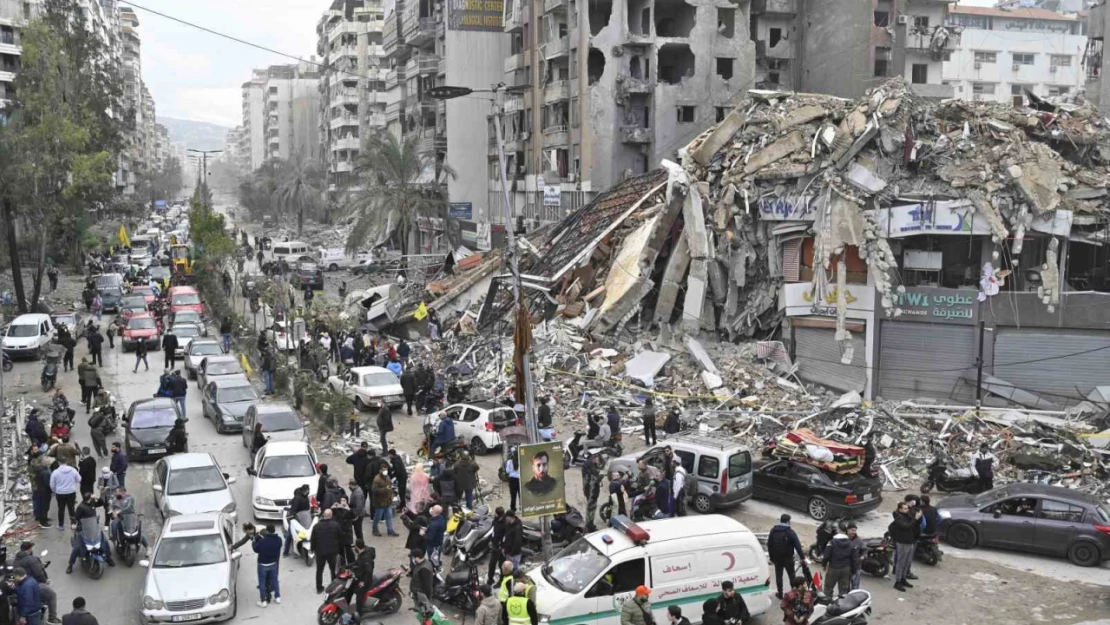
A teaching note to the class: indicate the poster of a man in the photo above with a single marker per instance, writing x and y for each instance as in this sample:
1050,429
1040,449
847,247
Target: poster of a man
541,475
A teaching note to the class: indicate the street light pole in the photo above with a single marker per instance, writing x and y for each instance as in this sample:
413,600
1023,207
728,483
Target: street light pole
204,166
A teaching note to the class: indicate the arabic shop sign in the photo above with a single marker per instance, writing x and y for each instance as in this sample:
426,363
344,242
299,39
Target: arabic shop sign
802,208
950,217
801,299
476,15
931,304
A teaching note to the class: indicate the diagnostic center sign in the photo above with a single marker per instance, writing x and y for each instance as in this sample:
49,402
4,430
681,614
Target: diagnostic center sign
476,15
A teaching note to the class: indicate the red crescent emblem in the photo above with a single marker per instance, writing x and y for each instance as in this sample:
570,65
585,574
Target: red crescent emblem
731,560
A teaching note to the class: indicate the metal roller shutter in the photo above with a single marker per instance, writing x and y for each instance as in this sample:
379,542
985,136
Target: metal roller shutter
926,360
818,356
1072,369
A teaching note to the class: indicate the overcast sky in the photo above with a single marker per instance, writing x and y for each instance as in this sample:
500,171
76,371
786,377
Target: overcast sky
197,75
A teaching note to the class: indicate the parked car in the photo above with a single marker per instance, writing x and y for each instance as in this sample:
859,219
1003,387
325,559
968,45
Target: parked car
280,422
72,319
478,423
278,469
369,387
199,349
820,493
1033,518
110,297
337,258
129,306
185,333
191,484
307,273
722,467
192,575
214,367
28,334
225,400
185,298
141,327
191,316
146,291
147,424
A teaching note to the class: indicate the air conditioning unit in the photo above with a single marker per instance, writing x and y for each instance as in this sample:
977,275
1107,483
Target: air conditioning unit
903,19
978,65
1015,68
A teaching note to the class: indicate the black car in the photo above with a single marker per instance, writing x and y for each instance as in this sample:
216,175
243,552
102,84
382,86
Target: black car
110,297
820,493
148,423
225,400
308,273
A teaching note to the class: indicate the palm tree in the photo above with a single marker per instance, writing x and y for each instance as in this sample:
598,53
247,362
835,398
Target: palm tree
398,183
299,187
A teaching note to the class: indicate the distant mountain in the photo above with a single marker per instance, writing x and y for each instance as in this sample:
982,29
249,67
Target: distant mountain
195,135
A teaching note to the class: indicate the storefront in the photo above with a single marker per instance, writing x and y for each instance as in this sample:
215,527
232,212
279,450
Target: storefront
812,335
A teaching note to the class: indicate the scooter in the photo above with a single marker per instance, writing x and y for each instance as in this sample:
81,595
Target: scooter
567,527
95,553
128,538
50,372
851,609
472,541
382,596
949,480
825,533
927,549
300,528
460,589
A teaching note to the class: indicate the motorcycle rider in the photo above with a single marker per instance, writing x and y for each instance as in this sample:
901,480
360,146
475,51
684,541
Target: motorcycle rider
86,510
123,503
445,431
604,433
31,563
930,515
298,504
363,570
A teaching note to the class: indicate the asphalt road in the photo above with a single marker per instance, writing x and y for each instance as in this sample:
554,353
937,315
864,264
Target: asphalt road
978,586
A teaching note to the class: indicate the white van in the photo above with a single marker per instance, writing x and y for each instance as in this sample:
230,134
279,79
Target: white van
290,250
337,258
28,334
683,561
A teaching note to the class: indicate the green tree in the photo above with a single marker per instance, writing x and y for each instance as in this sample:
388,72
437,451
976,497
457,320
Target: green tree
61,135
395,191
300,187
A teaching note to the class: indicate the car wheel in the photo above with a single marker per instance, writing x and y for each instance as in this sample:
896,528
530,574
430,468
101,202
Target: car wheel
818,508
333,267
962,536
1083,553
478,446
703,504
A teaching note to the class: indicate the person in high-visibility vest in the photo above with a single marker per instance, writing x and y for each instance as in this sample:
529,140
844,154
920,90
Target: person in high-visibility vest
520,609
505,590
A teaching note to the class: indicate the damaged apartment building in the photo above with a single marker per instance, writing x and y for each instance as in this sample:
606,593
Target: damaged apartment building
603,90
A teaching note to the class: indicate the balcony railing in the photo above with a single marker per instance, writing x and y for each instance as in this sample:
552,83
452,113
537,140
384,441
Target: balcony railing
556,91
554,5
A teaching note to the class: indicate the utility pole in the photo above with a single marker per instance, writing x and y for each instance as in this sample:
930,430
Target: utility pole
203,174
979,367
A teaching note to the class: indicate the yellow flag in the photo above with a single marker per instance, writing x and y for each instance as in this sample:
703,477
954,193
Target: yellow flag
246,364
421,312
123,238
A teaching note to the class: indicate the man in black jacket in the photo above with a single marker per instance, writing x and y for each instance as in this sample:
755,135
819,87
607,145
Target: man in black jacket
730,605
782,544
385,424
400,475
496,556
423,578
513,544
298,504
840,565
363,569
169,346
408,388
96,341
27,559
902,534
79,615
327,541
358,461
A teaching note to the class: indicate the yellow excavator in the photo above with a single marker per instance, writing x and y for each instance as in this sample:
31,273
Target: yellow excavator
182,259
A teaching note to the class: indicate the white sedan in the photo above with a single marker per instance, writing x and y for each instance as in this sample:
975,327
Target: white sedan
279,468
369,387
192,576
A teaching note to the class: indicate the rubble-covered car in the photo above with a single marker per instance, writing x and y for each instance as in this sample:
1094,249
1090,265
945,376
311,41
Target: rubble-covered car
306,273
369,387
478,423
377,305
199,349
820,493
1034,518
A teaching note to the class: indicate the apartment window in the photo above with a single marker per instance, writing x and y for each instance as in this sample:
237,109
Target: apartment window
1059,60
1017,95
726,22
882,19
686,114
882,62
774,36
1055,91
921,22
980,90
722,112
574,112
920,74
1023,59
724,68
986,57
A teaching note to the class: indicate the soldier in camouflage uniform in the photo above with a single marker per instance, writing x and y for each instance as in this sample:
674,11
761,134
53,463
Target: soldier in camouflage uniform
591,487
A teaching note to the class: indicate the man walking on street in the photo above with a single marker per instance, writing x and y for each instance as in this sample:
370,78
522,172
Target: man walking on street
225,332
513,545
327,541
90,381
385,424
382,498
650,437
40,490
357,501
902,534
118,465
64,482
859,550
113,332
180,389
79,615
268,548
96,341
268,371
28,597
782,544
400,476
169,347
140,356
408,388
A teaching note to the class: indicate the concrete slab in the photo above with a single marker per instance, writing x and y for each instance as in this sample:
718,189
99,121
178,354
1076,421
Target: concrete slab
695,296
718,138
673,275
694,227
864,179
800,115
778,150
697,350
645,366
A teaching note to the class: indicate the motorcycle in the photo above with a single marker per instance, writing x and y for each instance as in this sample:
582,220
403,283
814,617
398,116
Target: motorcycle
850,609
573,453
94,555
300,528
459,589
128,538
111,415
825,533
948,480
472,541
450,451
927,549
567,527
381,596
429,400
52,358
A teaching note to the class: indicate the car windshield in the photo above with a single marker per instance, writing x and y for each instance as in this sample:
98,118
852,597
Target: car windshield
107,281
224,368
287,466
140,323
179,552
66,319
110,291
24,330
379,379
143,290
133,301
186,315
575,567
280,421
148,418
185,299
186,330
233,394
195,480
205,349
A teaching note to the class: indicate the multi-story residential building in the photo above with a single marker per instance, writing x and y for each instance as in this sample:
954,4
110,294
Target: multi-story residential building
352,85
429,44
845,47
253,140
291,101
1005,52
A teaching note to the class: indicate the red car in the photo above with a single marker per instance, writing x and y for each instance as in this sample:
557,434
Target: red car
141,327
185,298
146,291
131,305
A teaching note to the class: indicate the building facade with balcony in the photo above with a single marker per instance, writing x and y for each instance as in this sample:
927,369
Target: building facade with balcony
428,44
351,85
600,91
291,111
1005,52
252,143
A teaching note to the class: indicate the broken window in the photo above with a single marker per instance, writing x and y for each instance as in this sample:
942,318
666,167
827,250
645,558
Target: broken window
882,19
639,17
882,62
920,74
724,68
676,62
685,114
634,67
1055,91
596,65
981,89
986,57
562,156
600,12
940,261
673,18
722,112
726,22
774,37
